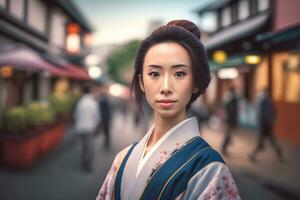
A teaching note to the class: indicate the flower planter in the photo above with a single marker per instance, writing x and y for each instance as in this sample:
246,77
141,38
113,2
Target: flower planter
52,137
21,151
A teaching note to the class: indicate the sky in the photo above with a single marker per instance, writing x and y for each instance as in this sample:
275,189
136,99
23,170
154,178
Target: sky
118,21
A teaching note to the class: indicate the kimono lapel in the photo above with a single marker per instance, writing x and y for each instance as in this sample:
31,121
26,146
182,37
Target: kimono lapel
129,176
181,133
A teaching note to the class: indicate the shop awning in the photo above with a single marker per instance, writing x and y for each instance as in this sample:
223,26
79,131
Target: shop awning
80,72
21,57
292,33
238,31
233,61
76,72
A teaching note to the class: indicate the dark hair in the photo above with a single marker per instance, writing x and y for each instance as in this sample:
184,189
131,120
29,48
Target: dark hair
86,89
188,35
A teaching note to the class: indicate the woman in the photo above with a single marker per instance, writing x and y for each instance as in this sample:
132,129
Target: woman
172,161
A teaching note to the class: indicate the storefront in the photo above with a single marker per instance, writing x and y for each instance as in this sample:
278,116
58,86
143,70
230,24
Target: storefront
29,30
283,75
238,73
235,54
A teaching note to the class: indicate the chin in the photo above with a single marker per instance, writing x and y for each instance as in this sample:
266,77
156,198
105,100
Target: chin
167,113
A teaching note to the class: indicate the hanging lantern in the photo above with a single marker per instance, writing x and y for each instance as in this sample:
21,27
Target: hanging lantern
73,38
220,56
252,59
6,72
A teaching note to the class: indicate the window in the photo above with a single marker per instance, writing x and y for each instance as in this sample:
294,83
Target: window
243,9
263,5
3,3
16,8
292,77
226,17
261,76
58,28
292,87
286,77
37,15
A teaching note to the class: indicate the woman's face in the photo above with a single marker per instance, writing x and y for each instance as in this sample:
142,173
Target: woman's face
167,79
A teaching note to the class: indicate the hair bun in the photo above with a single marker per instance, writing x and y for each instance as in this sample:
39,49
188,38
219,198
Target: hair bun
188,25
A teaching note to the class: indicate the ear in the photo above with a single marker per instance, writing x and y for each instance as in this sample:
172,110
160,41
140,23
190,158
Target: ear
141,83
195,90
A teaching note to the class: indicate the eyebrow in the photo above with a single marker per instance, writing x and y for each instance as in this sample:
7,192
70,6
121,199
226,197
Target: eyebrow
173,66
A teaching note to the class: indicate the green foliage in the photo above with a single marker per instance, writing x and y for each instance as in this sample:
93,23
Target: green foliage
16,120
39,114
121,58
61,105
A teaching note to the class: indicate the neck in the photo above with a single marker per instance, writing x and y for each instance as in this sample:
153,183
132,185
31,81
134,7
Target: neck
163,125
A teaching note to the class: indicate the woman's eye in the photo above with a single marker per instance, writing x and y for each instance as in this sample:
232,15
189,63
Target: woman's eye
153,74
180,74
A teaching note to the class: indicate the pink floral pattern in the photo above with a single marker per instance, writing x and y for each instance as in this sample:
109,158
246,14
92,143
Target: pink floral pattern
221,187
164,156
106,191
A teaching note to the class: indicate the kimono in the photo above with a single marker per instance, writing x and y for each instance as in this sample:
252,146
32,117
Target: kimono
181,165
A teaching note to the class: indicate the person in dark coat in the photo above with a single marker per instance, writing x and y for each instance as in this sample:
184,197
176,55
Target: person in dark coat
231,108
105,112
266,120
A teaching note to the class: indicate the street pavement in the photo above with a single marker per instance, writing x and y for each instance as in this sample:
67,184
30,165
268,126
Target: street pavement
267,178
58,175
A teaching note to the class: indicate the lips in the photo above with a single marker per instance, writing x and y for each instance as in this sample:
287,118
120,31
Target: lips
166,103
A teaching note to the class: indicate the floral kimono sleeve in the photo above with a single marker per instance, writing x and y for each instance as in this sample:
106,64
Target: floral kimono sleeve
214,182
106,190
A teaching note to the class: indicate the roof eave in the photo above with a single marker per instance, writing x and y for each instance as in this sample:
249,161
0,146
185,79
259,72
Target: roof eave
213,6
71,9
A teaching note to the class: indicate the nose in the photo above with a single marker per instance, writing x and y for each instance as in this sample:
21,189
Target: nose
166,86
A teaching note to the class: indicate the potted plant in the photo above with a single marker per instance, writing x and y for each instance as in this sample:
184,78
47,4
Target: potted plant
62,105
18,148
33,130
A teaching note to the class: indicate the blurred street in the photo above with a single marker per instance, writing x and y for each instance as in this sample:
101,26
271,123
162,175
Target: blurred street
267,178
70,67
58,175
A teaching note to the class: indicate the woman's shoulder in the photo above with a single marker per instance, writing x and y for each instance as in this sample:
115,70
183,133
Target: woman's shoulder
212,154
118,160
207,152
121,154
106,190
213,181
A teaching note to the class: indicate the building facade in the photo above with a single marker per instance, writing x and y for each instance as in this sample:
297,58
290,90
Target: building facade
254,47
42,44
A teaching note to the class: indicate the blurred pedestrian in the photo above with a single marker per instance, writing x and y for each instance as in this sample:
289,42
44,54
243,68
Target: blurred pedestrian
137,115
231,109
266,120
106,112
87,117
201,111
124,107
